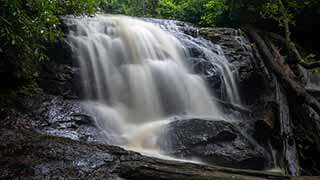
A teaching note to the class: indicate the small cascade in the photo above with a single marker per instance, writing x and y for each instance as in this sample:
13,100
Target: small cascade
208,53
136,76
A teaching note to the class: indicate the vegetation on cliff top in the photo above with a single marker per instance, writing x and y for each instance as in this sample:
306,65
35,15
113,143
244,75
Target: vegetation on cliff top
26,28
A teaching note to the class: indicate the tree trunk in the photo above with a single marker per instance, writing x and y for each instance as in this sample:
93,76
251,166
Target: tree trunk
294,89
295,56
297,95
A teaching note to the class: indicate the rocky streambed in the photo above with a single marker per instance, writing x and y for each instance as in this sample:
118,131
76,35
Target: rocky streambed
49,137
31,152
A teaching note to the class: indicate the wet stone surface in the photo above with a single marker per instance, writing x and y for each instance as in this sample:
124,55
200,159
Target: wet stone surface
55,116
212,141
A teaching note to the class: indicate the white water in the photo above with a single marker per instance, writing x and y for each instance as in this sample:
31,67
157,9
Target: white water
135,78
211,52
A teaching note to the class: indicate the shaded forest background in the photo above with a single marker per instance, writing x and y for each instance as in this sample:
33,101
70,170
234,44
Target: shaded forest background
29,27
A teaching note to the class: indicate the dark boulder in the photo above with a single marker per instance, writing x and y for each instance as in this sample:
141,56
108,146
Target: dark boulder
214,142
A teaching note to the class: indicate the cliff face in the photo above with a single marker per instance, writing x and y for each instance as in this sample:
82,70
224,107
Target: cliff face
51,135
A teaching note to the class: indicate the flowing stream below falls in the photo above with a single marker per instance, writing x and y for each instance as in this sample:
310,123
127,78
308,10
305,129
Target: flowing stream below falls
138,74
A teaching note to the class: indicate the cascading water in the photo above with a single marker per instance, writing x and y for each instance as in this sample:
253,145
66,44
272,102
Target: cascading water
136,77
212,54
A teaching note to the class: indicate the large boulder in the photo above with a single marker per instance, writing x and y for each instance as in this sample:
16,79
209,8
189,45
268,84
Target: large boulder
212,141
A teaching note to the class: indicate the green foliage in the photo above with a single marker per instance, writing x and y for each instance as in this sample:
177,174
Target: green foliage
192,10
133,7
282,11
167,9
27,25
113,6
204,12
278,12
254,11
214,10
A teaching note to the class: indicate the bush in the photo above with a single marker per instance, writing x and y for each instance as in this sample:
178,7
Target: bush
27,25
167,9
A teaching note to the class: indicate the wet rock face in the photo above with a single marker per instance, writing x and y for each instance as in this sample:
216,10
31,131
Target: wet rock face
255,83
29,155
209,72
68,119
61,79
235,46
54,116
214,142
308,155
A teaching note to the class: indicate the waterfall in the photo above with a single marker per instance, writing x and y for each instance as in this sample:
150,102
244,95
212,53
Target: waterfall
136,76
